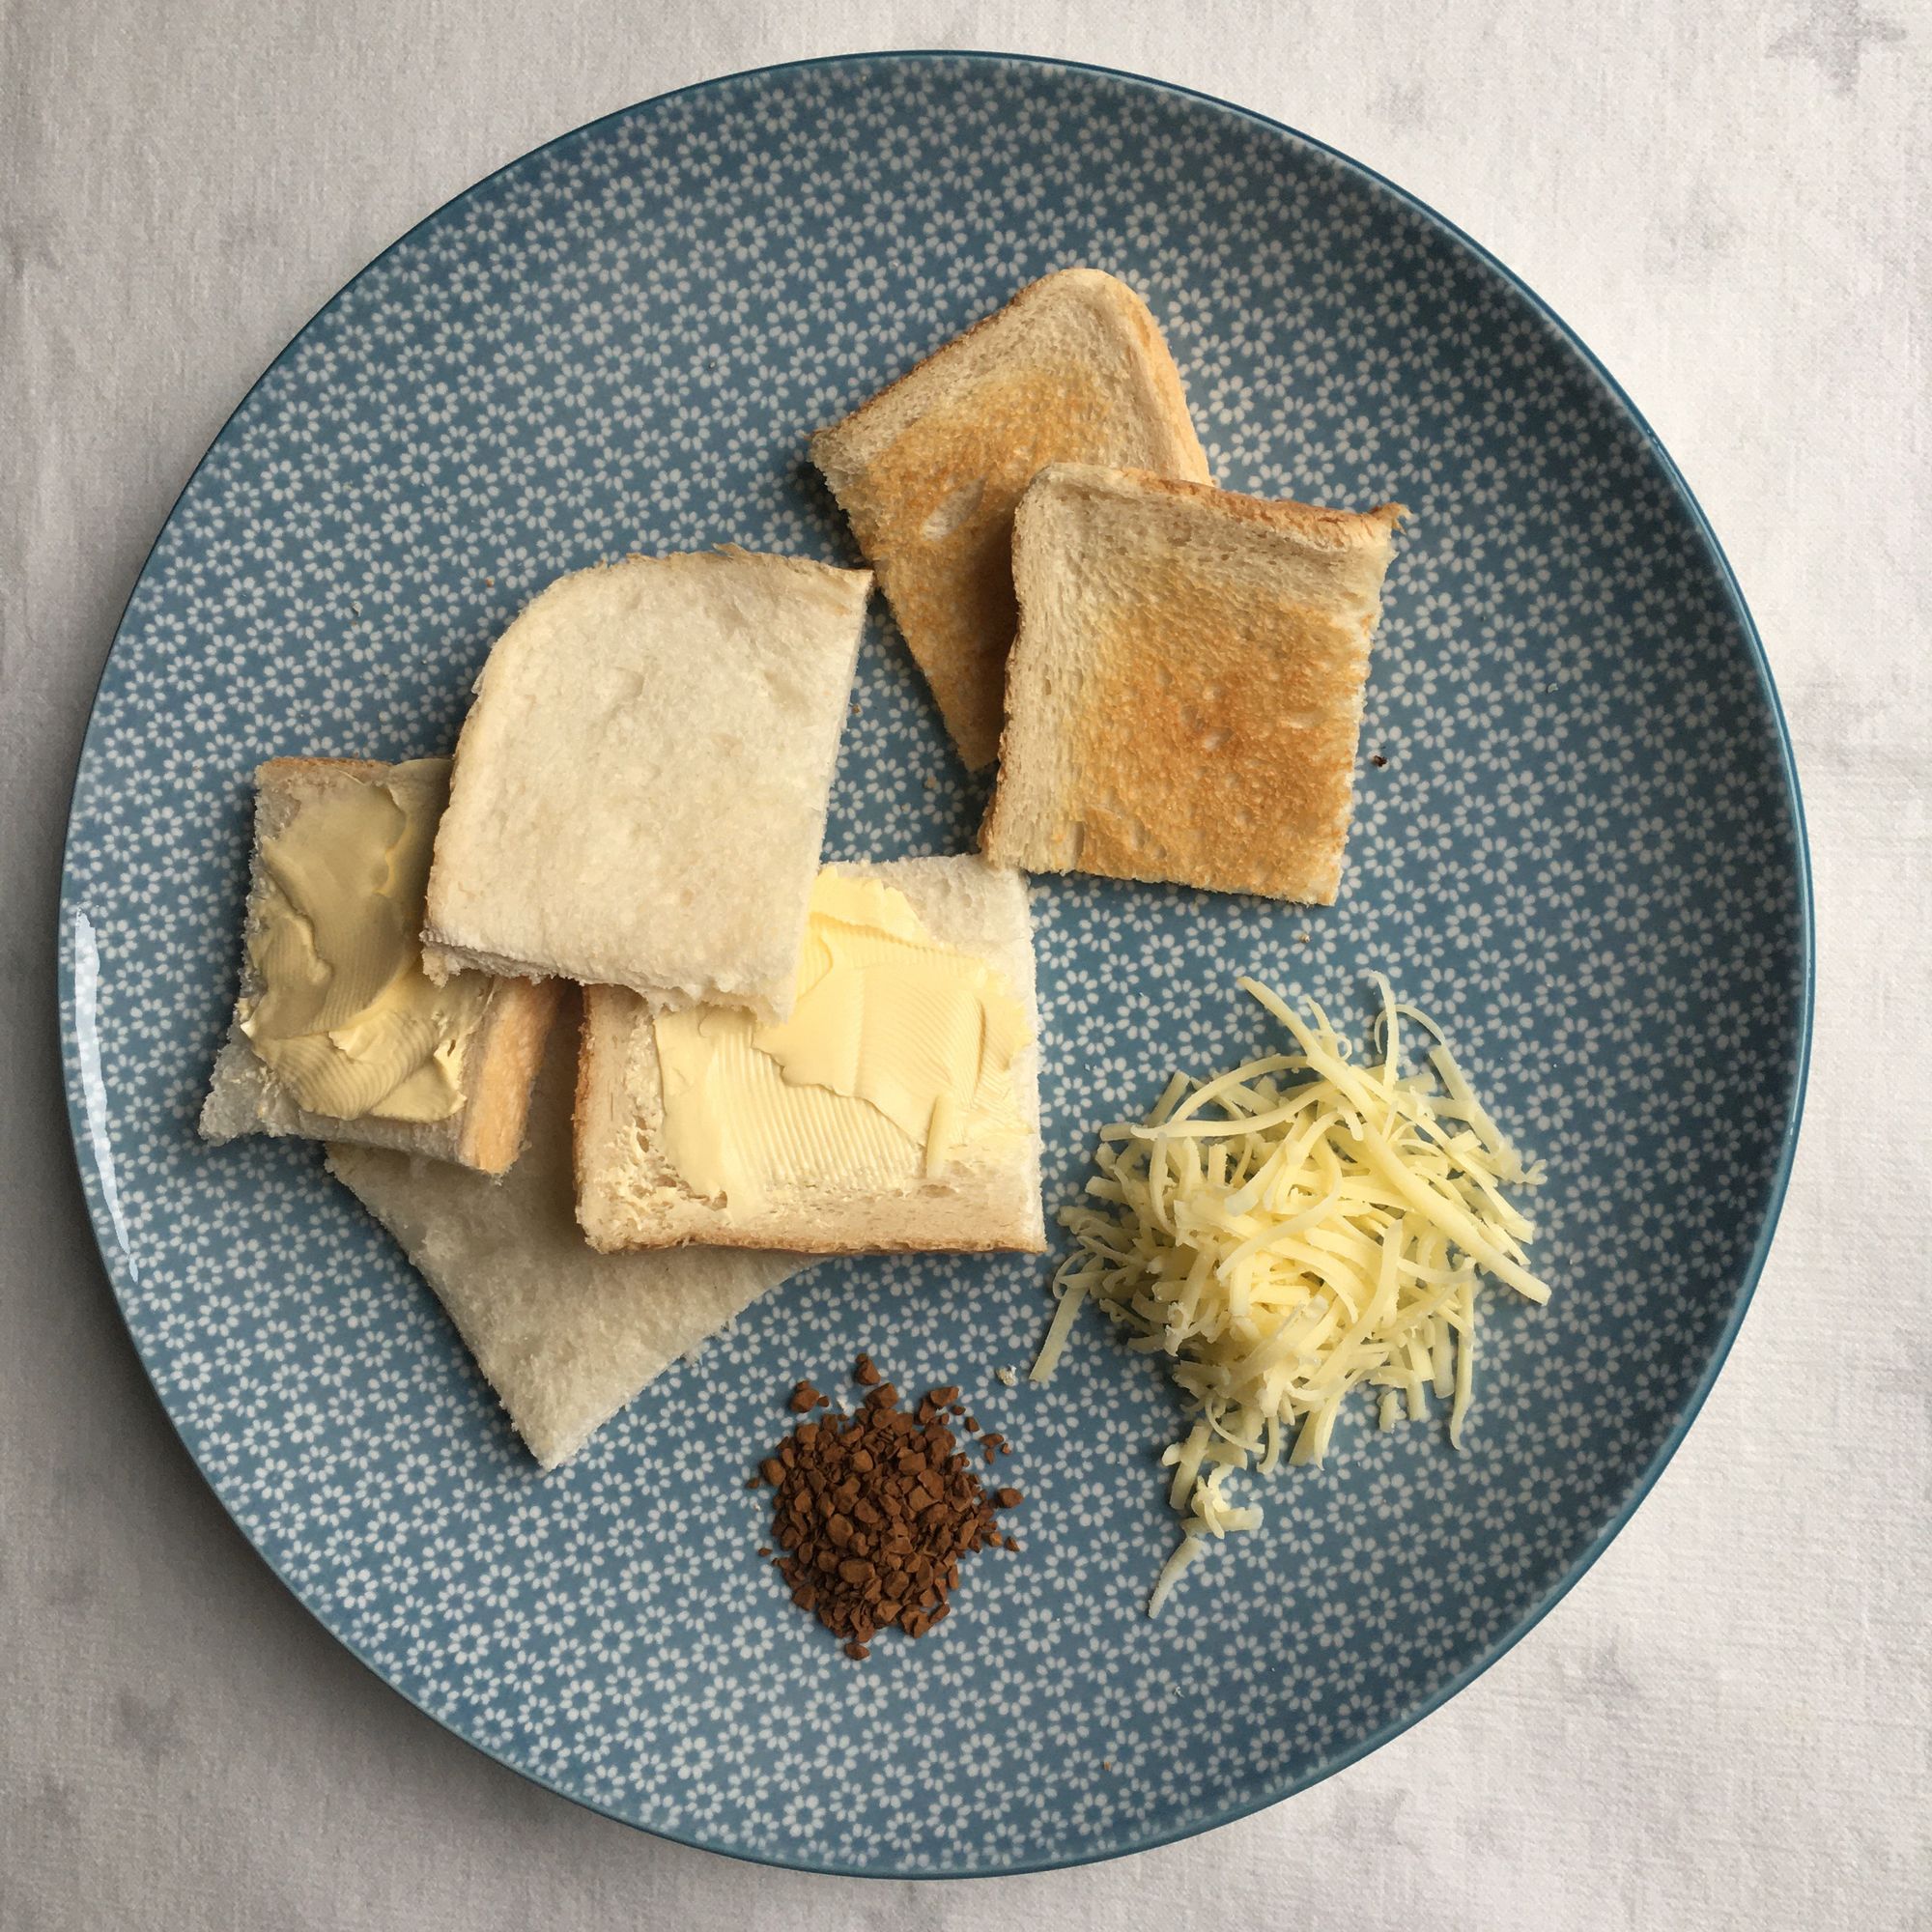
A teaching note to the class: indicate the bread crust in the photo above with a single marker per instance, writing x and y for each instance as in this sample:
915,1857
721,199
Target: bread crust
1325,528
274,772
929,470
835,438
507,1051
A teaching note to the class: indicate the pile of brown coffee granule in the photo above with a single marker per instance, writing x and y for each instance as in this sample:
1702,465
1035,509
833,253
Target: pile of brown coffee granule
875,1509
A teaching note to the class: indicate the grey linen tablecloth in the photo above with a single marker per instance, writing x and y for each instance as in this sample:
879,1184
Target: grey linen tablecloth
1726,1725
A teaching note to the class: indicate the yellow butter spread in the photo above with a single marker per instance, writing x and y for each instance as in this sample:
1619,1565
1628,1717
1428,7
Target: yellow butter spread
345,1016
898,1055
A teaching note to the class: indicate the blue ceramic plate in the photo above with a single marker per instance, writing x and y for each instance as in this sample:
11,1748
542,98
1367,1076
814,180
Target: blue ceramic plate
1583,853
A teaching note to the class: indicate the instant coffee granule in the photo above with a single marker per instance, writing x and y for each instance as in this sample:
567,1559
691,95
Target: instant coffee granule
875,1509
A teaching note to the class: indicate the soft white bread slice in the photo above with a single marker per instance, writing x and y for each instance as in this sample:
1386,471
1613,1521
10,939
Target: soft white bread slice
641,783
988,1196
1185,693
565,1336
247,1095
1072,369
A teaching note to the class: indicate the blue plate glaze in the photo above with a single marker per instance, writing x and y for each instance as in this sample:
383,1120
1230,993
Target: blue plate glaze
1584,854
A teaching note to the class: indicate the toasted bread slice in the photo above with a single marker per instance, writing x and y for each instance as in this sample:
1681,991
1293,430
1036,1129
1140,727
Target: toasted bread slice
565,1336
1185,693
640,784
630,1194
1072,369
499,1062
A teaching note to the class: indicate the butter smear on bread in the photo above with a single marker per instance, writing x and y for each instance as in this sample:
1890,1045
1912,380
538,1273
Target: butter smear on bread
899,1050
345,1016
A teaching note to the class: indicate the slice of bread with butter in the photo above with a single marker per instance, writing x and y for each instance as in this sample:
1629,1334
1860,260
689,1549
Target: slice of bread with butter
897,1108
338,1033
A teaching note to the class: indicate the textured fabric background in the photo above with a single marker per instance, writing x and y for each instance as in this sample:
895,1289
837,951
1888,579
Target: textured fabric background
1729,1722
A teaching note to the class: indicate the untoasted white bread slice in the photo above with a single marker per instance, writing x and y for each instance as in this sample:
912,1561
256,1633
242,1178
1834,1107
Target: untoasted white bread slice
630,1195
640,784
1072,369
500,1061
1185,693
565,1336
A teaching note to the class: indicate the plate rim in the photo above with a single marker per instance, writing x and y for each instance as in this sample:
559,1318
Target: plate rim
106,1241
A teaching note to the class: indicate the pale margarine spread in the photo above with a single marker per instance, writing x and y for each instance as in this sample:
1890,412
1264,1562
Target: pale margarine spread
898,1053
346,1015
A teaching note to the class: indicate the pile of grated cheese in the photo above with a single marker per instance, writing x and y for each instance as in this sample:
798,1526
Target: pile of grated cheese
1289,1232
